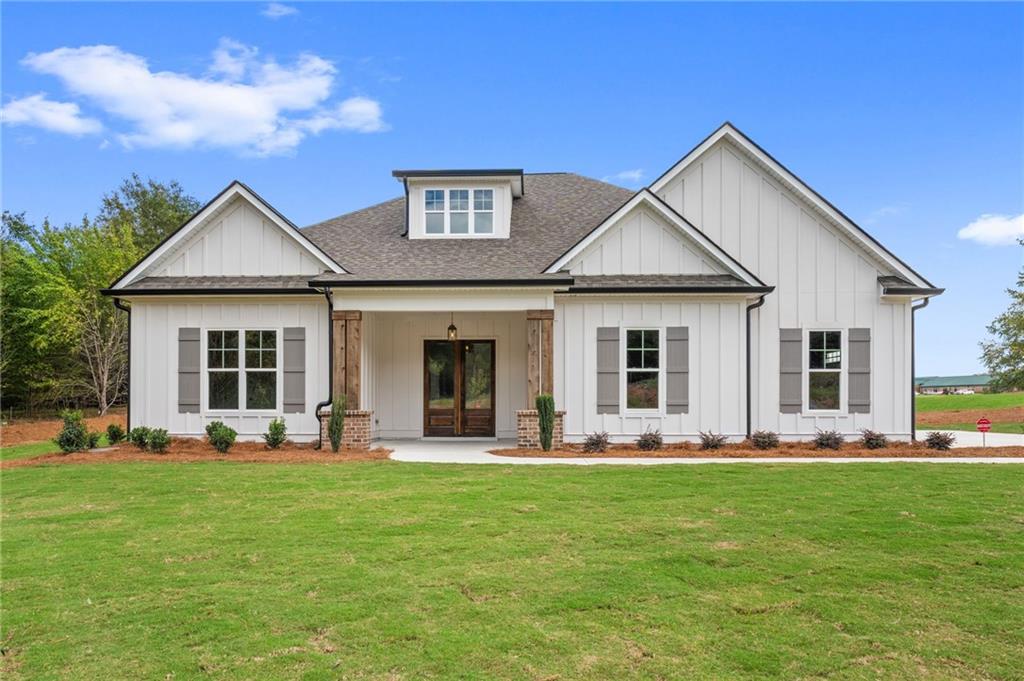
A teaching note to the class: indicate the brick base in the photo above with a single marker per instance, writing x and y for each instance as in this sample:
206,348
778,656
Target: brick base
356,434
528,429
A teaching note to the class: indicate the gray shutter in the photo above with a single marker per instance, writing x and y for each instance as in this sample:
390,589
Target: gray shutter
791,369
607,370
859,363
188,370
294,370
677,369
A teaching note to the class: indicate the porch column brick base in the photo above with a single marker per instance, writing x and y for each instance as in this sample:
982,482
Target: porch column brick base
528,429
355,435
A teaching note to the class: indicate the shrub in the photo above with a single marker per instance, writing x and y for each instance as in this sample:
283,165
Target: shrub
277,433
93,438
72,436
711,440
158,440
764,439
595,442
871,439
115,433
213,426
545,420
650,440
336,426
222,437
828,439
941,441
139,436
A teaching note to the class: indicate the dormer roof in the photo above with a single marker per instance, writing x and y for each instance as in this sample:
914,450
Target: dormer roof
513,174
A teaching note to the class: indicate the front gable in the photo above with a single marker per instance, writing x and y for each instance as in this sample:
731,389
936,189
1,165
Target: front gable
236,234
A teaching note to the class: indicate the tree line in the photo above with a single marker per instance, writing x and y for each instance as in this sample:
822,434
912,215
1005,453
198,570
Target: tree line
62,343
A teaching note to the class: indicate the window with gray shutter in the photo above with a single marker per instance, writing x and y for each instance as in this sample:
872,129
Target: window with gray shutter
188,371
608,370
294,370
859,397
790,370
677,369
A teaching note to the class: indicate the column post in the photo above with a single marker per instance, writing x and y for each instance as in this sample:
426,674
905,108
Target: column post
539,354
348,350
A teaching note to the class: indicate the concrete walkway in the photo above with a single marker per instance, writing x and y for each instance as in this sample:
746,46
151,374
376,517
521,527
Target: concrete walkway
968,438
475,452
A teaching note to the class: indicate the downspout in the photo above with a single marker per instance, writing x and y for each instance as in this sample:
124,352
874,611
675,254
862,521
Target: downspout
120,305
750,418
913,370
330,366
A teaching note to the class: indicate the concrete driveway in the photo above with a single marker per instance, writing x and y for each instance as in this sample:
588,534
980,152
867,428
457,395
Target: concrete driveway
969,438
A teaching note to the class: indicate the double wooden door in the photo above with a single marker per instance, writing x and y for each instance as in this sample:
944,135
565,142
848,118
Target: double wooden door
458,388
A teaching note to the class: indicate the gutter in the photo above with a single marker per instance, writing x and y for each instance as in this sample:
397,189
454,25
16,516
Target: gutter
208,291
750,418
763,290
913,371
441,283
120,305
330,367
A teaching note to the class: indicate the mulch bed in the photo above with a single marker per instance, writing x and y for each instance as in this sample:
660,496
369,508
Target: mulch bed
188,450
745,450
20,431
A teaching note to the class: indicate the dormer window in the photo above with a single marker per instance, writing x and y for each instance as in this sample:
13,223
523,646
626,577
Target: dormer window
458,211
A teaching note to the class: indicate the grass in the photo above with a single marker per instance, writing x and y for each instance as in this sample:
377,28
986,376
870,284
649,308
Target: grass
393,571
23,451
976,401
1014,428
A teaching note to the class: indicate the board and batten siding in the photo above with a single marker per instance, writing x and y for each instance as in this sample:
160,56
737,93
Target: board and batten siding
822,281
717,372
392,363
239,241
154,362
643,243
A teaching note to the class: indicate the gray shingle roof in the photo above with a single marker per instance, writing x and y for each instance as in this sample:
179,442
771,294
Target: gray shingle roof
896,285
556,211
668,282
296,283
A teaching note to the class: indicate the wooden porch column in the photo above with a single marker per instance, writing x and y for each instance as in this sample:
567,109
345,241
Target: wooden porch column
539,354
348,348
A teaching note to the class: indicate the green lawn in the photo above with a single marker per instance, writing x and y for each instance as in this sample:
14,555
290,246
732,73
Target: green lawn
28,449
399,571
1015,428
976,401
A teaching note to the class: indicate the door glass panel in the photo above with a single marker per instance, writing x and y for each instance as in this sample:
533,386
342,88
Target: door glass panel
441,375
478,361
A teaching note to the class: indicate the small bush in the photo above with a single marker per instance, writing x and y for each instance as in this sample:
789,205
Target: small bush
871,439
940,441
158,440
764,439
595,442
139,436
650,440
221,438
336,425
711,440
115,434
277,433
73,436
545,420
213,426
93,438
828,439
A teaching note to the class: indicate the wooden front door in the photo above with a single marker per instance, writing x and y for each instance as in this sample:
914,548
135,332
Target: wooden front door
458,388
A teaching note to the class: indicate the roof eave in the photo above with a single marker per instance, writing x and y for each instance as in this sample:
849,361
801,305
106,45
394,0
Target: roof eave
725,290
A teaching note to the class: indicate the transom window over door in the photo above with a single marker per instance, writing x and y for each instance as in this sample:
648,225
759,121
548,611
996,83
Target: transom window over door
458,211
643,368
241,362
824,369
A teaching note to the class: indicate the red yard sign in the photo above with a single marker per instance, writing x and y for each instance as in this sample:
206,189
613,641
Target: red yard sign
984,425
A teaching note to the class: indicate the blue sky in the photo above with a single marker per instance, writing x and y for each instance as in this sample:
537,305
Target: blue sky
910,118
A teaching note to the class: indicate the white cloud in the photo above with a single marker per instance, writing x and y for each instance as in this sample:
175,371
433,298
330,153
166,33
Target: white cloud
880,214
633,176
45,113
994,230
245,103
276,10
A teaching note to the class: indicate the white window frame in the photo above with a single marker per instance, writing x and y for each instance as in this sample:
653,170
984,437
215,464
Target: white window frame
470,211
241,370
807,370
624,373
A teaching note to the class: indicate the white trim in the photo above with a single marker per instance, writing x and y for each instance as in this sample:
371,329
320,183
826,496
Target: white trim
624,330
240,370
738,139
805,377
235,189
446,213
651,200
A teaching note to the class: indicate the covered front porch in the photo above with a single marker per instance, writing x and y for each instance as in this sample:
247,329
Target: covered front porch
452,365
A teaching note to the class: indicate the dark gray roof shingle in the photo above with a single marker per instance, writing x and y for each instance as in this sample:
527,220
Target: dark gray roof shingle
556,211
653,282
299,282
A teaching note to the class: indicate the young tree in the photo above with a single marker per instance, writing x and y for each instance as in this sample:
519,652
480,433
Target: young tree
1004,355
151,209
